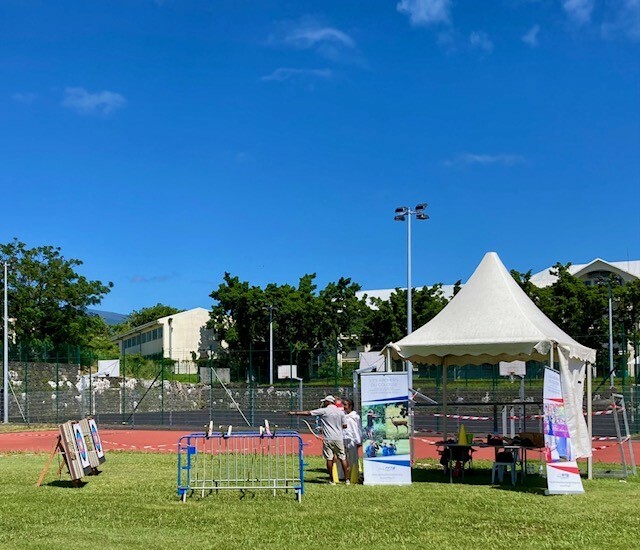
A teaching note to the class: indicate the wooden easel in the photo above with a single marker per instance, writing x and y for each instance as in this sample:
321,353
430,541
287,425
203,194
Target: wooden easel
58,449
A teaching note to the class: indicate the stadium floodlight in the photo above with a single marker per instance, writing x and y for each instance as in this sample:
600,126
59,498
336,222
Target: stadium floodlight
404,213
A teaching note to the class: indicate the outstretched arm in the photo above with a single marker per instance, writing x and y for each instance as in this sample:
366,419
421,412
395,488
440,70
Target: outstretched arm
299,413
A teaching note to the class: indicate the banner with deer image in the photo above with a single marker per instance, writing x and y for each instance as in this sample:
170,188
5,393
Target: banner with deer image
386,428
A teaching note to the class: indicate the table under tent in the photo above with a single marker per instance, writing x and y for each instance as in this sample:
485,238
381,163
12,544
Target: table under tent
490,320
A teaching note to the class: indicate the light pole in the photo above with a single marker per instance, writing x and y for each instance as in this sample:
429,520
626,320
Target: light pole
5,350
270,308
170,322
404,213
611,370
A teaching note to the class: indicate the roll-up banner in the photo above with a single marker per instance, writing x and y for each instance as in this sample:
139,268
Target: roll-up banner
563,474
386,428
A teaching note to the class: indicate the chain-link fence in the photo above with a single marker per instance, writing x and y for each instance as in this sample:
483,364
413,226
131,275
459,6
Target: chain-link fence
52,386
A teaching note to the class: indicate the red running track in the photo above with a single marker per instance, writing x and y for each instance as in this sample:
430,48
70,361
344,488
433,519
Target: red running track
167,441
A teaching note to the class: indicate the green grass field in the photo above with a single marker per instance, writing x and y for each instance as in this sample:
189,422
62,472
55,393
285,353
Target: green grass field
133,504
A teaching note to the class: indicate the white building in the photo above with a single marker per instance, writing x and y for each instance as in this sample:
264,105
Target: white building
590,273
182,337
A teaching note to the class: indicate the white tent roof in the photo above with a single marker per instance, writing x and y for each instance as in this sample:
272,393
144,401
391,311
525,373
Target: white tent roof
491,319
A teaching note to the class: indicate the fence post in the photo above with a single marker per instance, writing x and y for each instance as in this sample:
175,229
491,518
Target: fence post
623,359
57,389
124,386
211,384
291,382
162,392
26,384
90,383
251,389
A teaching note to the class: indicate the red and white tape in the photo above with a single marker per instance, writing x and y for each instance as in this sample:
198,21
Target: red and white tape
464,416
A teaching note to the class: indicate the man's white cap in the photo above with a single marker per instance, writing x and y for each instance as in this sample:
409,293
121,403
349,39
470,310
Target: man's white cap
329,399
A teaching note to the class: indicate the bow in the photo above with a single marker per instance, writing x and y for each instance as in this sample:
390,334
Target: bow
311,429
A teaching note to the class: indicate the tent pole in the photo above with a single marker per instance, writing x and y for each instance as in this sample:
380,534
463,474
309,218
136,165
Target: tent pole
444,400
589,419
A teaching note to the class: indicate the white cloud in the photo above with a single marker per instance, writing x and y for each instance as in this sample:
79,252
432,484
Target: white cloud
24,97
531,36
425,12
85,103
481,41
287,73
310,34
579,11
466,159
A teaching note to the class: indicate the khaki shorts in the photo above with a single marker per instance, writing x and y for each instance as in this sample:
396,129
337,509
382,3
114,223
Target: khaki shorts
331,447
352,453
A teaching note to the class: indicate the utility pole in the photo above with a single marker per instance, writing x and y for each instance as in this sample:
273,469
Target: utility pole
5,349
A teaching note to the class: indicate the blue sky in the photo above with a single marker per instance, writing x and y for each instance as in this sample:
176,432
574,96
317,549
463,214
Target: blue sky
164,143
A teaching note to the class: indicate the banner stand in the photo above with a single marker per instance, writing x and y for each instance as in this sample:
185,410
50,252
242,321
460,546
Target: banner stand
563,474
386,424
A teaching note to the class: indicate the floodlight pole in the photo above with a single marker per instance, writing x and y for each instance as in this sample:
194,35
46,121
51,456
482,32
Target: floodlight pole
402,213
611,371
5,350
270,308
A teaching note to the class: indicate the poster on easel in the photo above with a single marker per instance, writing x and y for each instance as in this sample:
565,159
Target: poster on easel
93,442
69,446
81,446
563,474
386,428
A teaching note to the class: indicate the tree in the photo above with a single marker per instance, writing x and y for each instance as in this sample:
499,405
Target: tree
387,320
145,315
48,299
581,310
302,317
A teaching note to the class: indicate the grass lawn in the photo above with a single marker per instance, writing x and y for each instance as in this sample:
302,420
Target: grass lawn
133,504
15,427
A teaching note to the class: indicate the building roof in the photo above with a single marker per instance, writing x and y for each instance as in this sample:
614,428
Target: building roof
630,268
159,321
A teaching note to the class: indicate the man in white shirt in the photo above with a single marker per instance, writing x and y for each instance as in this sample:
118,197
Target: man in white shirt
352,436
332,421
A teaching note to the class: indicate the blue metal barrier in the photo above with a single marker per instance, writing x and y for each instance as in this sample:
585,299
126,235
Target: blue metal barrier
243,461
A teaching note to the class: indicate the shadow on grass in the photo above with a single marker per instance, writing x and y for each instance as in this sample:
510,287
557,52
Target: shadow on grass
66,484
477,476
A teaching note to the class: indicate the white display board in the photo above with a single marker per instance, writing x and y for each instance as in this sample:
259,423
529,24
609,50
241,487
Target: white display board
517,368
109,367
372,359
287,371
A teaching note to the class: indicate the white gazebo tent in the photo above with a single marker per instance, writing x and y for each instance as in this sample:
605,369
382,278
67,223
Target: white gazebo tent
491,319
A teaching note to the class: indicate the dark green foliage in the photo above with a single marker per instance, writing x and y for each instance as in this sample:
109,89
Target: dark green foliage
48,298
302,317
388,321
